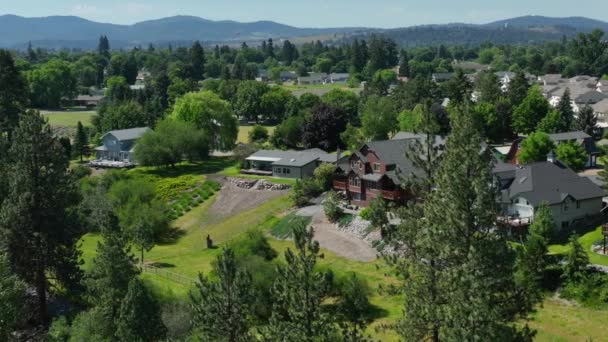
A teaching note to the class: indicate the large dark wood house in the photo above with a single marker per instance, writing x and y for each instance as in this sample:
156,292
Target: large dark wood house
377,169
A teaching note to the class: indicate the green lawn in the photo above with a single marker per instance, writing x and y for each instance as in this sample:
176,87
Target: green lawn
243,137
586,240
69,119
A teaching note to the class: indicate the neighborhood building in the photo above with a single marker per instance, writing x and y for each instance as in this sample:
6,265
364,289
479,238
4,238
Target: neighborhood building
313,78
118,146
337,78
509,153
570,197
287,164
87,100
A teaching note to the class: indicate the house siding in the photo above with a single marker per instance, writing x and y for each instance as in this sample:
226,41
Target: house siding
115,149
590,207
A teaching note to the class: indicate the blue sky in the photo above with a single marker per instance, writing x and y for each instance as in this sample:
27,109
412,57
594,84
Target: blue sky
310,13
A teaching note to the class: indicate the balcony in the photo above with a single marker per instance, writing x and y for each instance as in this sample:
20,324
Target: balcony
393,195
340,185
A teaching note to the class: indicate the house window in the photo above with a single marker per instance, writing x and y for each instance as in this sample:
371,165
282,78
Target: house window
578,204
355,181
356,196
565,225
277,170
566,206
352,164
372,185
286,171
360,165
376,167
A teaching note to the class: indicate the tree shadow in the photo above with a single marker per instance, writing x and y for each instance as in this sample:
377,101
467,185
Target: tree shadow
162,265
171,236
208,166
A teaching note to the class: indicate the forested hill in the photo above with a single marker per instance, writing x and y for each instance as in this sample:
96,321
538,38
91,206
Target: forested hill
75,32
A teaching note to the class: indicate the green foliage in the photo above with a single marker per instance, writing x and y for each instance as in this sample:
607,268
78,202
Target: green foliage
118,88
253,243
410,121
170,142
552,123
288,133
50,82
575,266
354,307
304,190
535,148
377,213
572,154
120,115
59,331
248,103
209,113
299,293
322,129
275,103
12,296
352,137
331,207
38,219
530,112
586,121
81,142
222,307
139,316
258,134
345,100
378,117
324,175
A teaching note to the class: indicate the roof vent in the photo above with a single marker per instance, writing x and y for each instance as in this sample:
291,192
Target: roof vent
523,180
293,160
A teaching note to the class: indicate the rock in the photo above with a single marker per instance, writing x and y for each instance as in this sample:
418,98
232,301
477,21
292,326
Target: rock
255,184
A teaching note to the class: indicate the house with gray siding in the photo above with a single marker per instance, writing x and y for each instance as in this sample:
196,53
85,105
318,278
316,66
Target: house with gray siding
287,164
571,198
118,145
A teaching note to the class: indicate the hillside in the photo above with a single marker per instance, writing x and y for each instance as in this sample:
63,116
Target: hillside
531,21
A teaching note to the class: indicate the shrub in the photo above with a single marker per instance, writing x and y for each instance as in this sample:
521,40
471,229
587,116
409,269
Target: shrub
258,134
81,171
324,175
365,214
253,243
331,208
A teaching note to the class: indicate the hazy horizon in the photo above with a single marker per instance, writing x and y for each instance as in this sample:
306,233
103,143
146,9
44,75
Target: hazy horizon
311,13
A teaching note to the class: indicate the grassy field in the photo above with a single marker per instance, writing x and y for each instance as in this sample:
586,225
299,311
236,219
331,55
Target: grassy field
69,119
243,137
586,240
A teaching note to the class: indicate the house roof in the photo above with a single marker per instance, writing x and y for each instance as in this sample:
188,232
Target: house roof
601,107
550,183
292,158
551,78
89,97
128,134
567,136
590,97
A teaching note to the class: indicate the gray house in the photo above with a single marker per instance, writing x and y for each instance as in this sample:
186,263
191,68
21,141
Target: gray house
287,164
570,197
118,145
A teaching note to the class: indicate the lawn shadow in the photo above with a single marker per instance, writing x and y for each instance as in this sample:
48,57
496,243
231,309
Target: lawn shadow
162,265
172,236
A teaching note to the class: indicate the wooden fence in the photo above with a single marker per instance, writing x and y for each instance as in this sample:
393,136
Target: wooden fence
172,276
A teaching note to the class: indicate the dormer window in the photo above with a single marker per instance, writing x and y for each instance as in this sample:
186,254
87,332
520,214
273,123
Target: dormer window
376,167
360,165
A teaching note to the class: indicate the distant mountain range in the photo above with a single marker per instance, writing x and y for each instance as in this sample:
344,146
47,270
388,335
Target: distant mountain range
75,32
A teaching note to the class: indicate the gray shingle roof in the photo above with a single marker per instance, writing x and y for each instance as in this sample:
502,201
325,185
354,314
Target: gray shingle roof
550,183
294,158
590,97
566,136
128,134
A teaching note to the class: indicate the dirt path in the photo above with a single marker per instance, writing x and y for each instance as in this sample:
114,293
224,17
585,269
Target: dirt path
232,200
341,243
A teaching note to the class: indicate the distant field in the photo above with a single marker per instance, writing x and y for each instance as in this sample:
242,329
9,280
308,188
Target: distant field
243,136
68,119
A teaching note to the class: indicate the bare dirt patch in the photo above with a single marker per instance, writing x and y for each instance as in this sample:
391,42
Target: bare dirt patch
339,242
232,200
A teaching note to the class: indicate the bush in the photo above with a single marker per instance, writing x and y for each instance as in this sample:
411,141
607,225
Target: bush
253,243
324,175
258,134
365,214
81,171
331,208
243,151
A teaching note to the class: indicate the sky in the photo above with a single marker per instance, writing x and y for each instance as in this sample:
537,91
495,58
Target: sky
310,13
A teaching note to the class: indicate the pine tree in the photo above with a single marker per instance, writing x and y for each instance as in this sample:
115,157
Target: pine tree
197,61
13,94
140,316
458,88
81,143
222,308
12,295
103,48
299,292
37,220
586,121
532,260
518,89
566,112
460,283
404,67
354,308
577,260
489,87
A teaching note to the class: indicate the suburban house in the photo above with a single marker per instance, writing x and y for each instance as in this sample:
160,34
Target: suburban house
313,78
600,110
504,77
442,77
117,146
88,100
550,79
570,197
337,78
509,153
287,164
287,76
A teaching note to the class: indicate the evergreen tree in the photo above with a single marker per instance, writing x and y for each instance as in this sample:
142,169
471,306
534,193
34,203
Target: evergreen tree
103,47
518,89
354,308
489,87
38,222
299,292
81,143
108,280
13,94
358,55
532,260
458,88
12,296
577,260
222,308
139,318
197,61
566,112
289,52
404,66
460,283
586,121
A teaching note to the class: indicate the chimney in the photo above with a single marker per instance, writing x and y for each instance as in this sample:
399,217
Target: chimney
551,157
338,155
